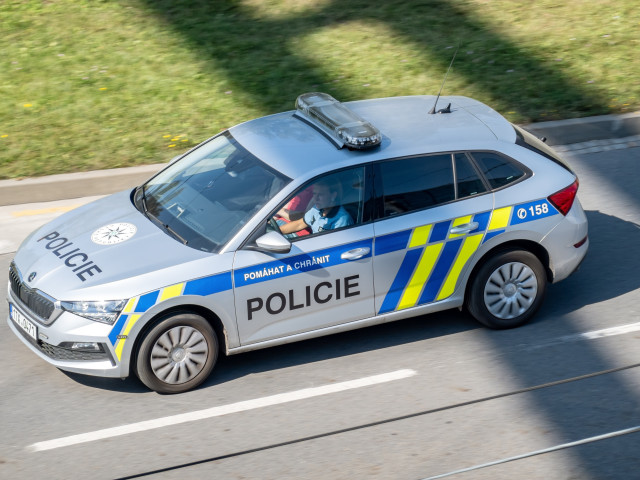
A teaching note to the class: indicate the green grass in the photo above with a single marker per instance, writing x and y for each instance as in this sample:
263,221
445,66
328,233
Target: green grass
88,84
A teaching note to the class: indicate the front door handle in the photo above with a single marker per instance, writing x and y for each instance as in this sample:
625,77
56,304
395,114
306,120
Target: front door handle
355,254
466,228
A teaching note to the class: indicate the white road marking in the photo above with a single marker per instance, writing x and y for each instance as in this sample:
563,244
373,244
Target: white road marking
221,410
605,332
618,433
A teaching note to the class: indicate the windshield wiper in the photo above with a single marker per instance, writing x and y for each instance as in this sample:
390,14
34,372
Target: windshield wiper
159,222
140,200
175,234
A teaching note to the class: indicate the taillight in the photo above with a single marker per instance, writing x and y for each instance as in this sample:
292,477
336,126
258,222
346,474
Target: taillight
563,200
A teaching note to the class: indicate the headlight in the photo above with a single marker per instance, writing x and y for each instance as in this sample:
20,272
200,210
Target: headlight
104,311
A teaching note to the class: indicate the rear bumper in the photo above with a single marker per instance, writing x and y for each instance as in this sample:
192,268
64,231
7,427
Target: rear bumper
564,256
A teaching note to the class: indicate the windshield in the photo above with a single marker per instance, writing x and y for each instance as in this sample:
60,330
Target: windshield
207,196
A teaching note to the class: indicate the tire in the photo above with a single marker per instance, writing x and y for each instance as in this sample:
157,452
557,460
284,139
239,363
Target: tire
177,354
508,289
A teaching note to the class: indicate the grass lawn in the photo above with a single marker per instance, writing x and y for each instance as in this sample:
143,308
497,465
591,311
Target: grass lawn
90,84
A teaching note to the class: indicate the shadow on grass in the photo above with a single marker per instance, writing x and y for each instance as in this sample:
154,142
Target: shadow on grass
259,57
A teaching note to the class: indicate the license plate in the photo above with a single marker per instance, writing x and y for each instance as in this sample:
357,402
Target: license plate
23,323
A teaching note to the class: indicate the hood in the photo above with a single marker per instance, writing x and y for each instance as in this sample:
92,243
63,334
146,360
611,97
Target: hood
104,242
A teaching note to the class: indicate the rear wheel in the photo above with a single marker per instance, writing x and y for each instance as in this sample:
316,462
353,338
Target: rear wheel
508,289
177,354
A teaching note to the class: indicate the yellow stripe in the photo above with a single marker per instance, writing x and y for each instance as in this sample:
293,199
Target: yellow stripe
170,292
420,276
459,221
469,246
132,321
130,304
420,236
120,345
500,218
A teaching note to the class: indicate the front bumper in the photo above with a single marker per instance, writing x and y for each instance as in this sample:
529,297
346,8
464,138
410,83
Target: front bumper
52,342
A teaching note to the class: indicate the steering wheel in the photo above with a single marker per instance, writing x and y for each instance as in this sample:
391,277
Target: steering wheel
272,225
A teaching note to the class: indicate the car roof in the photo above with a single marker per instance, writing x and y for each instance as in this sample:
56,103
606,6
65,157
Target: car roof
295,148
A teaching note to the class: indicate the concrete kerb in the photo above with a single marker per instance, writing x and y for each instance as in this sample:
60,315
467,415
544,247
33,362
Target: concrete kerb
73,185
578,130
103,182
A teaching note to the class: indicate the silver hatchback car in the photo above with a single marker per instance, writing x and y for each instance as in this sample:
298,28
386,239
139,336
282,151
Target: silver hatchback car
315,221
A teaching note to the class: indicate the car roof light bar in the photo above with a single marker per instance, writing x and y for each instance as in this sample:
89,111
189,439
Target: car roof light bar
345,127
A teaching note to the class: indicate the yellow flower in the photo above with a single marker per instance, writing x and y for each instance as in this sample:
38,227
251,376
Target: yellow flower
27,105
4,136
185,140
172,145
166,136
103,88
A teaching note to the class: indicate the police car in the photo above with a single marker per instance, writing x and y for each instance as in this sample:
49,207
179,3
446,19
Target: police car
327,218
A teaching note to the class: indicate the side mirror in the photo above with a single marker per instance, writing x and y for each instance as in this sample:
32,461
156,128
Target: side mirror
273,242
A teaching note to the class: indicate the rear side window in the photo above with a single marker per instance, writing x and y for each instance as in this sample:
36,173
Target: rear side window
497,169
415,183
467,178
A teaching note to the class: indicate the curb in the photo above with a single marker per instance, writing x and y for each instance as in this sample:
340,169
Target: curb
104,182
73,185
579,130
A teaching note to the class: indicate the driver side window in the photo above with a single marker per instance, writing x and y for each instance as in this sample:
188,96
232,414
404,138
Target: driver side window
329,202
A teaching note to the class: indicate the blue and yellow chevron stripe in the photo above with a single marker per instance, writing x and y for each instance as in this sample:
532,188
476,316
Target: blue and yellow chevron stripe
435,256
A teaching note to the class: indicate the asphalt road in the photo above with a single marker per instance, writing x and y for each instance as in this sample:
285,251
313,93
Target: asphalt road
561,394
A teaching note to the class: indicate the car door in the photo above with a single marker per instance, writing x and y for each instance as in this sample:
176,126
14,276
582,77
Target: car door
433,212
326,279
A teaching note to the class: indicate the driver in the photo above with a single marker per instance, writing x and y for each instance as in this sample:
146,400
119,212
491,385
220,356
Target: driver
326,213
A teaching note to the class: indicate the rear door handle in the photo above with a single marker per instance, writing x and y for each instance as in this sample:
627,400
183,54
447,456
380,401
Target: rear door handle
466,228
355,254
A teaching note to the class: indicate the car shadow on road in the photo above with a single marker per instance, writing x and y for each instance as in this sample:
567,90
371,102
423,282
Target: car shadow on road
609,270
309,351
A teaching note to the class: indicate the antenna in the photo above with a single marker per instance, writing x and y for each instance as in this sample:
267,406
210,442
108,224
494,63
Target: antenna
448,109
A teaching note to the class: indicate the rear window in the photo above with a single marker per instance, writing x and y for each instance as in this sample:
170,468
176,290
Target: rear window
497,169
533,143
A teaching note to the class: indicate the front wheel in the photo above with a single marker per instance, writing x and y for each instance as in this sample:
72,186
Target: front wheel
508,289
177,354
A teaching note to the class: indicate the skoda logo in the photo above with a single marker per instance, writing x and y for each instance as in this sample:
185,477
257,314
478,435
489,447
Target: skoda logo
32,275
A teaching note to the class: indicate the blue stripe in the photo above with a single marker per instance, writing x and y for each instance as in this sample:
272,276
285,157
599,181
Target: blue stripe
117,328
440,271
400,282
490,235
307,262
440,231
392,242
526,212
209,285
483,221
147,301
